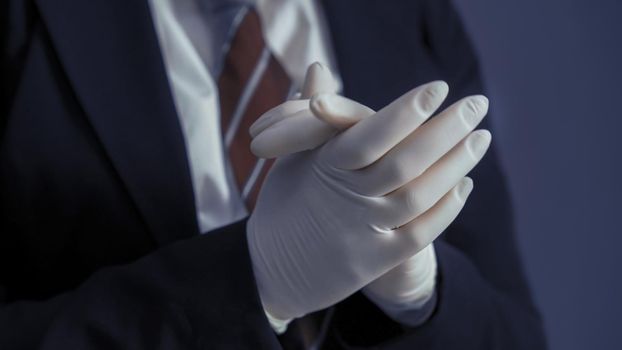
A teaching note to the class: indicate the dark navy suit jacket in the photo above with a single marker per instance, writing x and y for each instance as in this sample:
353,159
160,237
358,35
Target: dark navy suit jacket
99,245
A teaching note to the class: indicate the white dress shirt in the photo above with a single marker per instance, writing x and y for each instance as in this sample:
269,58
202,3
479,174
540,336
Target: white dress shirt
296,33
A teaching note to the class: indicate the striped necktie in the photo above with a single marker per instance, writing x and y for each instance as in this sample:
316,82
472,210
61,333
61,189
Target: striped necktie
252,82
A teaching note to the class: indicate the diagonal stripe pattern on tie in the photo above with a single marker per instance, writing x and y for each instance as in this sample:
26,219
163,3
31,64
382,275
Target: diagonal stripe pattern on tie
252,82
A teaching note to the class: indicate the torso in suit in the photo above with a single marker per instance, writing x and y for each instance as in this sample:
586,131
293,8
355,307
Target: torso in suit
99,246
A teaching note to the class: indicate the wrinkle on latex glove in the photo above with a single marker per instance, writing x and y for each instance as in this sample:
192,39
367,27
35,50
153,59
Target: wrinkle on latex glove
405,291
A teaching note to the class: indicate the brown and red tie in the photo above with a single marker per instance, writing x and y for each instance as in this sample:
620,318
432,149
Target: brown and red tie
252,82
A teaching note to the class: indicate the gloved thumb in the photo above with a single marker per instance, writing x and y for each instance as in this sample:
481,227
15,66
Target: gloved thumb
318,79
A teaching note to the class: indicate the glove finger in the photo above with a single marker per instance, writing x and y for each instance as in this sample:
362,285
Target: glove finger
419,195
338,111
276,114
370,139
300,132
317,80
423,147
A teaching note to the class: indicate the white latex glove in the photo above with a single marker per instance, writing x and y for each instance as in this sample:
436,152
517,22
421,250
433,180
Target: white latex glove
403,292
332,220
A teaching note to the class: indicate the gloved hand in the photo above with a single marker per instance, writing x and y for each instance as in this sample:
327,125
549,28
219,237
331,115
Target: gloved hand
402,292
331,220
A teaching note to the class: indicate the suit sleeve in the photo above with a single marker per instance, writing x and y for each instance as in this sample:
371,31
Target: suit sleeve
195,294
484,300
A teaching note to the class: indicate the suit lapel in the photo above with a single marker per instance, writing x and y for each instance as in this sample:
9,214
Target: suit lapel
111,55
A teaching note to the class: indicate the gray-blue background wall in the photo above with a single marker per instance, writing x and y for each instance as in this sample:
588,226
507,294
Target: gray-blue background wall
554,75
